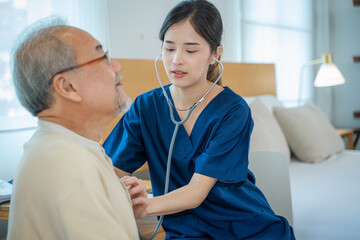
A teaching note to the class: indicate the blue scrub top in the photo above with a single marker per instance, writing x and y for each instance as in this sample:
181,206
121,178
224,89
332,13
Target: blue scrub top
218,147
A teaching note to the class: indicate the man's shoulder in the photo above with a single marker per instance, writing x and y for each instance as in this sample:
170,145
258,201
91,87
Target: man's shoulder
51,152
56,163
52,144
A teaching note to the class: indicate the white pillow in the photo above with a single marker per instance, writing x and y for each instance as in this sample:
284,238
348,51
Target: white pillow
267,134
269,101
309,133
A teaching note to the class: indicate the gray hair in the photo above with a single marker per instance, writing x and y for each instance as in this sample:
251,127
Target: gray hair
36,56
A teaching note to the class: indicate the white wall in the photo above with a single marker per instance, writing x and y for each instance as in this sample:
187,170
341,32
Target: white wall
134,27
344,44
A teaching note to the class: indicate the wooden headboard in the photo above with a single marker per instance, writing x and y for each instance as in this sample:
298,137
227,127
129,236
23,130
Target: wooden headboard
245,79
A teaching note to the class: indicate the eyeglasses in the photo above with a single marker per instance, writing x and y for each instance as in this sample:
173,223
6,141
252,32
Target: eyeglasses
106,56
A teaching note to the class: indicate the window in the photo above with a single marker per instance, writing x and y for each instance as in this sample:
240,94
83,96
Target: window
90,15
280,32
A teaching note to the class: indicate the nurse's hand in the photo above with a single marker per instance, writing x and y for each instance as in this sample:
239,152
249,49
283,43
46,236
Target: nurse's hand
138,194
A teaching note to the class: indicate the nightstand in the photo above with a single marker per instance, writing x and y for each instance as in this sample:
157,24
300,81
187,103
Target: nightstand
4,211
349,134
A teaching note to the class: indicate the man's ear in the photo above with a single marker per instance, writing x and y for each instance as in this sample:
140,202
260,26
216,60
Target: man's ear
64,88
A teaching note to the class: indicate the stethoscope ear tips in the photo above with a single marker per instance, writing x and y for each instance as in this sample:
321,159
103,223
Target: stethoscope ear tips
216,60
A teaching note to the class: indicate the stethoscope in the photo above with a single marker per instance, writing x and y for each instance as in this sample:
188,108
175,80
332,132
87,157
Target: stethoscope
177,124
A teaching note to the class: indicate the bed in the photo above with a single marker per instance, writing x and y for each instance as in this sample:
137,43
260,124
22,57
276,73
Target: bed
324,176
298,158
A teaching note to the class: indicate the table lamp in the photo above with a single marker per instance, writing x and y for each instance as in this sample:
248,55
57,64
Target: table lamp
328,75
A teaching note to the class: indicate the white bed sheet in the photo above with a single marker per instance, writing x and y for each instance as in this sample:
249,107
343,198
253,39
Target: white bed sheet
326,197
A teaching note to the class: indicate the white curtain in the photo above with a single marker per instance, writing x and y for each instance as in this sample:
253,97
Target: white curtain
280,32
90,15
323,96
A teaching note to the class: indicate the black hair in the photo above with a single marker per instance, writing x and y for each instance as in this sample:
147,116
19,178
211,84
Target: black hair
206,21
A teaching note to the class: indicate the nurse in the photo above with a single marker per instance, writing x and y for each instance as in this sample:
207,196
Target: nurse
212,193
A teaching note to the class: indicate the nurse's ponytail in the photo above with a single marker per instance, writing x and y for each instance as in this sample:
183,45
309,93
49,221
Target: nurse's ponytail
214,72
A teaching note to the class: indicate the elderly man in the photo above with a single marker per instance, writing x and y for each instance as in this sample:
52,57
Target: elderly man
66,187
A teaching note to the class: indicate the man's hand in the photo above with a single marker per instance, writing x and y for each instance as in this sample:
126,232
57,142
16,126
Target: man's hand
138,194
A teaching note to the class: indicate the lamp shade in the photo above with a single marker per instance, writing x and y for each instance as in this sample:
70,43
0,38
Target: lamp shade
328,75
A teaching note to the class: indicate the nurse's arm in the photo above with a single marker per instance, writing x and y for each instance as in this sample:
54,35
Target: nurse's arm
187,197
120,173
